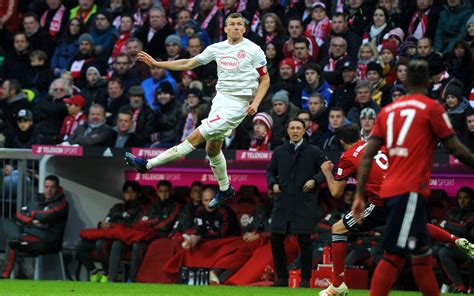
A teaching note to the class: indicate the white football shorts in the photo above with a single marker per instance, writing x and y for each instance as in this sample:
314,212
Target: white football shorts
227,112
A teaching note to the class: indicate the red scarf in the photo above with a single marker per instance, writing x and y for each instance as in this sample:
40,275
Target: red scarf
207,20
136,113
331,66
55,24
362,71
418,24
260,144
119,45
255,25
70,123
140,18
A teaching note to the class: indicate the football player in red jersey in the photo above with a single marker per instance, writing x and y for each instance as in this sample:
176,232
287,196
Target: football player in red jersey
409,128
375,213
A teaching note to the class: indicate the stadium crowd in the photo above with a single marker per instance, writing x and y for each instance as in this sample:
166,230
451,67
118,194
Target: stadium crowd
72,67
70,76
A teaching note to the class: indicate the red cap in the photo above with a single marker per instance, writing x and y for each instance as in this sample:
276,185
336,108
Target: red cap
76,100
288,62
188,73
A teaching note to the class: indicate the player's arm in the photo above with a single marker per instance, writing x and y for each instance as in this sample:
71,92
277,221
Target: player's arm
365,165
336,187
456,148
177,65
264,84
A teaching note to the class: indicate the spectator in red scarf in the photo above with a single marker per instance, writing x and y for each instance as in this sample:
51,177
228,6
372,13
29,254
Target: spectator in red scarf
76,117
262,132
55,18
296,30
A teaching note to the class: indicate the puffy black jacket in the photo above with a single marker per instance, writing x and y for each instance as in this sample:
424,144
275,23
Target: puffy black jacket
51,213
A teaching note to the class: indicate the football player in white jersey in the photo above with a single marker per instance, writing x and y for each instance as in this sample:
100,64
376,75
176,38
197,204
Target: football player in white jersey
242,76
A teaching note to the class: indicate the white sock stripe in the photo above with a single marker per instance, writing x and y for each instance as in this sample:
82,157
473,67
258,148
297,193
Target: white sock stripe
407,220
339,238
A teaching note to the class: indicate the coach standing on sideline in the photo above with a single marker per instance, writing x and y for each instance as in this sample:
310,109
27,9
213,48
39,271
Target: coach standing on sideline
294,175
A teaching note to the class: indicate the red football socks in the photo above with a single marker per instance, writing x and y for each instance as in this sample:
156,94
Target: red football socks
339,253
439,234
422,268
386,274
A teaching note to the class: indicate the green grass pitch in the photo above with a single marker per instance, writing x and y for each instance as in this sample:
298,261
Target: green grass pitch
28,287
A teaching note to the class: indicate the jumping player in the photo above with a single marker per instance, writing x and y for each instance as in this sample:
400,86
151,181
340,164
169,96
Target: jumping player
374,214
242,75
409,128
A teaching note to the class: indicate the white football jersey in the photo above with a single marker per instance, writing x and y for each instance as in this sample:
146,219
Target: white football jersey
236,66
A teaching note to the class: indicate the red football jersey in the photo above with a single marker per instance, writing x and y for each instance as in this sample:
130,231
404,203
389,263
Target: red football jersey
349,162
410,128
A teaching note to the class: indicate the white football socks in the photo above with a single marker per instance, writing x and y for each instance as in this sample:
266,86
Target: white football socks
219,168
171,154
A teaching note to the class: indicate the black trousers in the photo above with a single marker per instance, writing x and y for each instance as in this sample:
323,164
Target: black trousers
84,249
451,258
29,245
280,259
117,250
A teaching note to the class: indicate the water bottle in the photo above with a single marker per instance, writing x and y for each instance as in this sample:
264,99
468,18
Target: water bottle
327,255
191,278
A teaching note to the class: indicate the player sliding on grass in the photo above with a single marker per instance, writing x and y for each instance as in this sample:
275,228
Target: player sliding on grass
375,214
242,75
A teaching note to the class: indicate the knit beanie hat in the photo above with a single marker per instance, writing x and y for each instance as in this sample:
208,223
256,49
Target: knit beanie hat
281,96
454,88
470,20
264,118
165,87
107,14
288,62
399,88
390,45
94,70
373,66
173,39
86,37
368,113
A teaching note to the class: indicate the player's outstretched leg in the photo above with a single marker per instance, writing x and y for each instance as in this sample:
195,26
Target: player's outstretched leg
465,246
143,165
439,234
219,168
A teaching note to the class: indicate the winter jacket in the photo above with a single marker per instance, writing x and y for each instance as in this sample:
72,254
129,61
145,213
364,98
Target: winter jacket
50,113
170,117
219,223
149,85
451,27
323,88
24,140
146,124
126,212
161,216
15,66
291,169
457,115
51,213
100,136
64,54
94,93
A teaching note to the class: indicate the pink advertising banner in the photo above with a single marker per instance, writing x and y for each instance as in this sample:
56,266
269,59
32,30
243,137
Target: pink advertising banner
147,152
57,150
253,155
185,177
